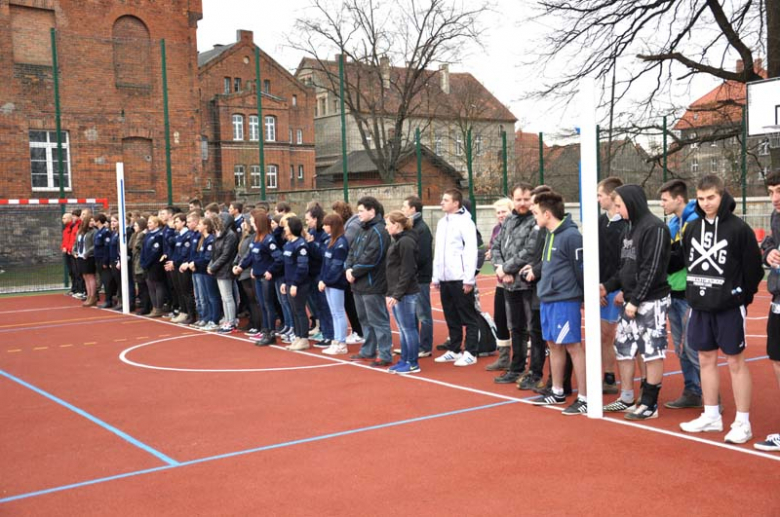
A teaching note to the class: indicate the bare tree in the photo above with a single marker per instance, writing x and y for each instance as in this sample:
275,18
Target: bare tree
372,36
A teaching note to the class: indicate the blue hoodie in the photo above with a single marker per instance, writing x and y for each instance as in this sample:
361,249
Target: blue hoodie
561,278
677,273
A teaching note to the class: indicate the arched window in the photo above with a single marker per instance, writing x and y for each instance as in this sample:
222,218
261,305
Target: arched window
132,53
270,129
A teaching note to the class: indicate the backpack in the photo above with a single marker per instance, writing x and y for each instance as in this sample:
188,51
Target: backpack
480,251
487,334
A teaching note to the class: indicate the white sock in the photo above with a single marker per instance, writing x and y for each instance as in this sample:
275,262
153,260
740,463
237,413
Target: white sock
627,396
743,417
583,398
712,412
557,391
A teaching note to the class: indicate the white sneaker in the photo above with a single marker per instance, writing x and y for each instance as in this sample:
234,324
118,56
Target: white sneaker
210,327
336,349
354,339
703,424
466,359
448,357
740,433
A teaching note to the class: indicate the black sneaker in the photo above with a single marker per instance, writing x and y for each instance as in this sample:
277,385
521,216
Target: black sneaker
550,399
507,378
579,407
618,406
529,382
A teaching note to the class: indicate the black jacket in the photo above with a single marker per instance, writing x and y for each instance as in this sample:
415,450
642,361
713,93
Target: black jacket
402,266
366,257
610,240
425,249
723,260
772,242
644,257
513,248
225,250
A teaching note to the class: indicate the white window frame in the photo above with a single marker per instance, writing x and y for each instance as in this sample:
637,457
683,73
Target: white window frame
714,164
763,148
254,128
272,176
228,86
239,176
270,128
291,135
256,179
300,172
695,165
299,136
478,146
52,172
294,100
238,127
459,146
292,172
438,146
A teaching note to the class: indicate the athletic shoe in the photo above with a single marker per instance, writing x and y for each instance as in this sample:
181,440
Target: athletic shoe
528,382
550,399
299,344
336,349
210,327
448,357
740,433
354,339
408,368
282,331
619,406
466,359
323,343
444,346
578,407
256,335
423,353
288,338
396,366
380,363
396,351
643,412
686,400
771,444
316,337
507,378
703,424
358,357
265,341
180,318
227,329
252,332
198,324
168,316
314,330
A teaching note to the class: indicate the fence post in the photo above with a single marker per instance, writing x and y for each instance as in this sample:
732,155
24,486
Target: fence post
58,127
744,161
261,124
598,154
167,122
419,161
541,158
344,169
504,164
470,167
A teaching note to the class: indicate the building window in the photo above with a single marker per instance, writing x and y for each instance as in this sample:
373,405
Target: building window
763,148
237,84
291,135
459,146
204,148
294,100
270,129
132,53
254,176
292,172
478,146
44,160
369,139
300,172
714,162
267,86
299,136
254,128
227,85
271,176
335,105
437,144
239,175
695,165
238,127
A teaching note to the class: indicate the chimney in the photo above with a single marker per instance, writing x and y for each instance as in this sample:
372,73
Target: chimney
384,70
444,73
242,35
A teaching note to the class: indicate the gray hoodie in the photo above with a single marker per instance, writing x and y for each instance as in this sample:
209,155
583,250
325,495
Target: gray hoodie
562,264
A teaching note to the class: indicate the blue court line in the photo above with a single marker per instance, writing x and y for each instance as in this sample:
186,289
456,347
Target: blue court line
93,419
254,450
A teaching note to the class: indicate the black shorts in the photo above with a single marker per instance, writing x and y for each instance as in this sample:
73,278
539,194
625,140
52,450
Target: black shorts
724,330
773,336
86,266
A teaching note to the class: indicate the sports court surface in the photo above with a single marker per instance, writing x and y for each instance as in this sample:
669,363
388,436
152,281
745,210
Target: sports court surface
106,414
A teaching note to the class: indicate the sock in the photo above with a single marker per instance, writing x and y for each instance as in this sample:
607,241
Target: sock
557,391
627,396
609,378
712,412
583,398
743,417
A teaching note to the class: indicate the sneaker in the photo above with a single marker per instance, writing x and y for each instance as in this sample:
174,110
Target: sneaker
168,316
507,378
423,353
358,357
578,407
703,424
256,335
740,433
686,400
448,357
396,351
323,343
252,332
528,382
444,346
380,363
354,339
300,343
466,359
210,327
228,329
396,366
619,406
408,368
550,399
336,349
288,338
198,324
315,330
180,318
266,340
317,336
771,444
281,332
643,412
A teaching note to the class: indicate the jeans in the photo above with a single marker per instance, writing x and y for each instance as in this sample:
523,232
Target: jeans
214,309
425,317
404,313
689,359
298,304
225,286
287,313
319,301
201,297
265,290
337,312
375,321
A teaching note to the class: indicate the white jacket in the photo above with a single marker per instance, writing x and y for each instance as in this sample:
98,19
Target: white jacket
455,255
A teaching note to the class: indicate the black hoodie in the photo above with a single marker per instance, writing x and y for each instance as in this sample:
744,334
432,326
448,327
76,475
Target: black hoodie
644,256
723,260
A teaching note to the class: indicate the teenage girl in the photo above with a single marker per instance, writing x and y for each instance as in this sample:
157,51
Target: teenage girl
139,275
220,267
113,260
296,280
182,278
151,261
351,228
206,285
333,281
102,241
85,253
286,332
245,280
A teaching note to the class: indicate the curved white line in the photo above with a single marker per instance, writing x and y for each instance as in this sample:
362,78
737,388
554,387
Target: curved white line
124,359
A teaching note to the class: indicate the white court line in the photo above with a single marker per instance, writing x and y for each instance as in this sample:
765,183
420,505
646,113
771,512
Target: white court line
43,309
419,378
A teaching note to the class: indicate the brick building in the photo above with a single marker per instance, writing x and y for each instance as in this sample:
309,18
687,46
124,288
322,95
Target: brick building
111,97
232,130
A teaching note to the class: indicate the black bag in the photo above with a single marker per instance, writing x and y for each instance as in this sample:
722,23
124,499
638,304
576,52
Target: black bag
487,334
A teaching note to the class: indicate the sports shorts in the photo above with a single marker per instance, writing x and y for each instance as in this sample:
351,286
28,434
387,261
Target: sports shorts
562,322
724,330
645,333
611,313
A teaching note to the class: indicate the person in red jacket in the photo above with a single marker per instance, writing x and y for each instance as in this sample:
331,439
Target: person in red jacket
70,226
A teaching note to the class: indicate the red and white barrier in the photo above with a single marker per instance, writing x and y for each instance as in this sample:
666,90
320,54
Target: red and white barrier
56,201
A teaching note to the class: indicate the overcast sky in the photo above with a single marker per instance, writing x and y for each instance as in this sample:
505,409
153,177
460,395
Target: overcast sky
497,67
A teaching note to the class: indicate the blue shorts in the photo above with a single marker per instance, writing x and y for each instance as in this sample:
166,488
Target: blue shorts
724,330
611,313
561,322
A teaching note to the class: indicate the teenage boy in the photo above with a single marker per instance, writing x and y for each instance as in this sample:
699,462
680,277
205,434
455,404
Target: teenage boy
560,291
512,250
724,270
365,267
644,257
674,201
771,249
412,208
454,267
236,210
611,229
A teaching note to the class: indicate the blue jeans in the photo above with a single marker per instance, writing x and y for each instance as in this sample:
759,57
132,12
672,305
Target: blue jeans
265,290
287,313
319,303
214,301
425,317
689,359
338,314
404,314
201,296
375,321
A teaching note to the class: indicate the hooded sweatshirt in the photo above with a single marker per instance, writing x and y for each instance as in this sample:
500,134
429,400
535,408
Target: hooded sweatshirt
677,271
455,253
402,265
723,260
645,254
561,274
